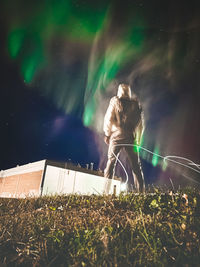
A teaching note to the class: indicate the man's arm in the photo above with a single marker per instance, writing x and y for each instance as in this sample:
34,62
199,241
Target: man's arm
109,120
140,128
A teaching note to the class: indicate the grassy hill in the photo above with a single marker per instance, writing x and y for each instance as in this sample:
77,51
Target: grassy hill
129,230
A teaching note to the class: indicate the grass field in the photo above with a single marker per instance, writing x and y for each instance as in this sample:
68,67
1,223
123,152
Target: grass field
160,229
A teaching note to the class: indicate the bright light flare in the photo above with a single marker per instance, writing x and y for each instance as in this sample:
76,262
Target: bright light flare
123,187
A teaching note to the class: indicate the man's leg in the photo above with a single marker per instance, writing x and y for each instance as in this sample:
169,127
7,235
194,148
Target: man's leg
113,152
109,171
136,168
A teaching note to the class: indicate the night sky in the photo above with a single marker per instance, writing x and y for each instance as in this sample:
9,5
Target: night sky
61,62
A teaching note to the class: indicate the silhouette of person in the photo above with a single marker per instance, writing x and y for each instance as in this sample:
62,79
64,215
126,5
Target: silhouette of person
124,124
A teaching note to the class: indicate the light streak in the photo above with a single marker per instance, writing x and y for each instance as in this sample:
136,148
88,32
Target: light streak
197,165
182,158
166,158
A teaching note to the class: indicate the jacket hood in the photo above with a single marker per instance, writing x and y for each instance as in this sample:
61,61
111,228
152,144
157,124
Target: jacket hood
124,91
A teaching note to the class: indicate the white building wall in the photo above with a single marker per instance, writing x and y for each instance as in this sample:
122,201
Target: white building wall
26,180
58,181
63,181
91,184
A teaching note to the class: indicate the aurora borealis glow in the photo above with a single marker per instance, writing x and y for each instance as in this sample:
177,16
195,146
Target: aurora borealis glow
29,36
73,54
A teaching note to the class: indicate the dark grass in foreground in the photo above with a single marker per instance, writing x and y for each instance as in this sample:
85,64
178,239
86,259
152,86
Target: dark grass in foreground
129,230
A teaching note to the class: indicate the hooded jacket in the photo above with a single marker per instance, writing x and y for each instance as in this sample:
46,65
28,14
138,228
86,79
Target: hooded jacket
124,115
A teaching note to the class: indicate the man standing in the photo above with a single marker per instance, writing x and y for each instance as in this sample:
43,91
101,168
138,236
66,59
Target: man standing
123,124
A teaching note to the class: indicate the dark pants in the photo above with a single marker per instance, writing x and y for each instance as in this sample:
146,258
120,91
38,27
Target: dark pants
132,156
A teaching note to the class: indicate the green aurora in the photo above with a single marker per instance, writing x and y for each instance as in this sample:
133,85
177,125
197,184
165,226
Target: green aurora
46,39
